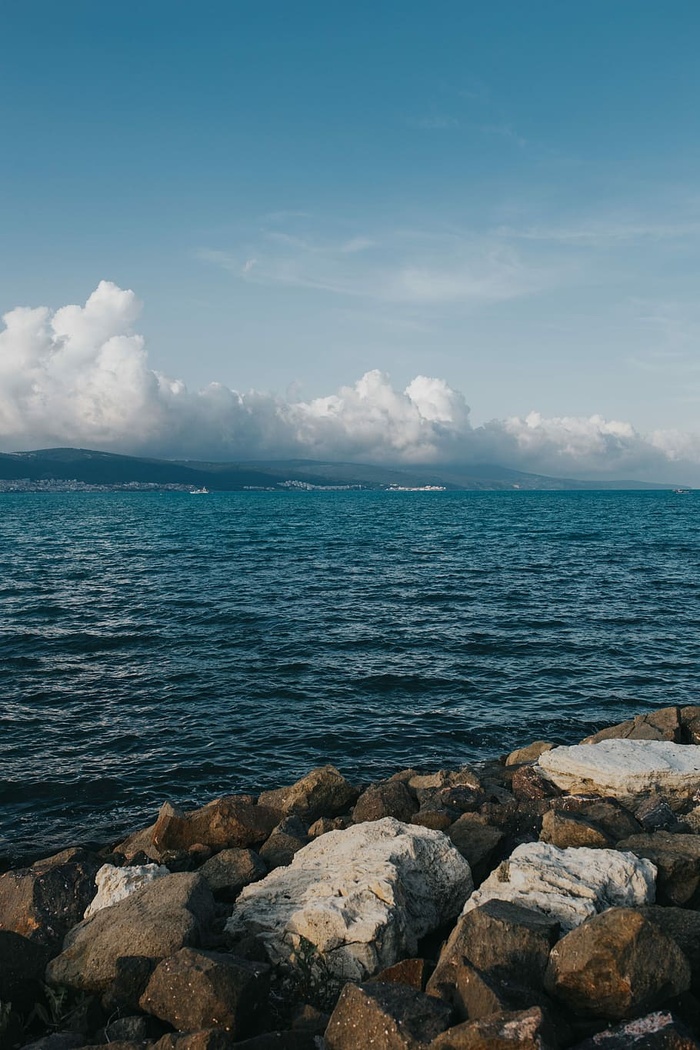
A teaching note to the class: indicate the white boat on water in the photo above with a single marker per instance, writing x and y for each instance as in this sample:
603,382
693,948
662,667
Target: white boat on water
199,492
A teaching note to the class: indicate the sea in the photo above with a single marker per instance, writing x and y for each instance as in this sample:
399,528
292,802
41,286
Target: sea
163,646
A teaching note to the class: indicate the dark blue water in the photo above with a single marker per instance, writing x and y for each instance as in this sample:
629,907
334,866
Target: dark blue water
159,646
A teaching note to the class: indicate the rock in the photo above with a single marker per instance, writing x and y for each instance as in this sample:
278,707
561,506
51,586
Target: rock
57,1041
528,754
568,829
287,839
44,901
362,897
677,858
606,813
439,818
462,798
657,1031
664,724
22,965
324,824
153,922
391,798
519,1030
498,937
234,820
412,972
281,1041
528,783
569,885
132,974
135,1028
385,1017
140,843
655,815
197,989
616,965
477,841
322,793
232,869
114,884
630,770
204,1039
683,926
477,994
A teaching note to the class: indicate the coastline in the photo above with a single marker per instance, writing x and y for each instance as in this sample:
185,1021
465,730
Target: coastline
547,857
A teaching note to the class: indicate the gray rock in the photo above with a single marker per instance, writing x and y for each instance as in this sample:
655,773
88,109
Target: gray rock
197,989
232,869
154,922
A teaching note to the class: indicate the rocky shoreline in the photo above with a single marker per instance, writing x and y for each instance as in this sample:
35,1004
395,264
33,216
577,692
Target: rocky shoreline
549,900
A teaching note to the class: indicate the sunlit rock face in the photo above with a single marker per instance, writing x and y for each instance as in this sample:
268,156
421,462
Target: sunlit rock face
629,770
361,898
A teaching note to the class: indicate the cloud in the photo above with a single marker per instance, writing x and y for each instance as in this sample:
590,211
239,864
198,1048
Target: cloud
80,376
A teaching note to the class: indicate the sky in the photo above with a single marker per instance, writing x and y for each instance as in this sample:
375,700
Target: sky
387,231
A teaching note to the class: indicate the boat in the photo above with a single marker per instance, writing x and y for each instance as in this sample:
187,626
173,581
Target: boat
681,492
199,492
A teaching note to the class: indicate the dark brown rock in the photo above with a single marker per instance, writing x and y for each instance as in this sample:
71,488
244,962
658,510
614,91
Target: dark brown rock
655,814
131,975
439,818
678,859
153,922
326,824
204,1039
139,845
234,820
57,1041
478,843
232,869
287,839
568,829
412,972
196,989
461,797
292,1040
657,1031
528,782
606,813
384,1017
496,936
324,792
390,798
683,926
477,994
22,965
519,1030
44,901
616,965
664,724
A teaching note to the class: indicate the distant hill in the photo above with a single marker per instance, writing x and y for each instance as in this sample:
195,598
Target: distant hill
87,467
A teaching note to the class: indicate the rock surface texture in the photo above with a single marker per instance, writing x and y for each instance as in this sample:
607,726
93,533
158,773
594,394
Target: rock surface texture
362,897
629,770
569,885
114,884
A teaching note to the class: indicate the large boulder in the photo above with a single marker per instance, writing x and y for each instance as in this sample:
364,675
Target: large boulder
677,858
629,770
153,922
361,898
616,965
569,885
44,901
195,989
324,792
22,965
114,884
390,798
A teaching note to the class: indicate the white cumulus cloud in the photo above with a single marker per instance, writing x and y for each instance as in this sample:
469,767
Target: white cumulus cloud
80,376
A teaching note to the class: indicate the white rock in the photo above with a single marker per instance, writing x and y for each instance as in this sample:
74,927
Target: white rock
570,885
627,769
114,884
361,897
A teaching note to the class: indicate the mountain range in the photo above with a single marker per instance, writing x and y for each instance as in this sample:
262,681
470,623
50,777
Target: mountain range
106,469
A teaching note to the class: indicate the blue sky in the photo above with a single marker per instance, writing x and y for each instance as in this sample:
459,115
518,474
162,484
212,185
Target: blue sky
505,197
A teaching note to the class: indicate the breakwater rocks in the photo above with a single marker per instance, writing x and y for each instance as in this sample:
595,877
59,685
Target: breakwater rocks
549,900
